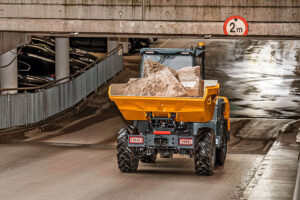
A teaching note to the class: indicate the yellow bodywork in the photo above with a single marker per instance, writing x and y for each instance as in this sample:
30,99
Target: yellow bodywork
187,109
227,111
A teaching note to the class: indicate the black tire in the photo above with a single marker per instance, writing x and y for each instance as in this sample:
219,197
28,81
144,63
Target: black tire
222,151
205,152
149,158
128,160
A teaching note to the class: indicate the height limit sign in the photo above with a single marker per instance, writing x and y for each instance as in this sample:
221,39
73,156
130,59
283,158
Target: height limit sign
235,25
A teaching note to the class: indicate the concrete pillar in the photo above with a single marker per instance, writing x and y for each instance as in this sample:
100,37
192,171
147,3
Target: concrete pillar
112,43
9,74
62,66
124,43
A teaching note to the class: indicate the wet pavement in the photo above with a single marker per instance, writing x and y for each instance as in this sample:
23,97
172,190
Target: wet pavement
81,164
76,159
276,176
53,172
258,76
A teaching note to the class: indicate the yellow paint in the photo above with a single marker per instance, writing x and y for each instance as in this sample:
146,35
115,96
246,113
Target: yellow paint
187,109
227,111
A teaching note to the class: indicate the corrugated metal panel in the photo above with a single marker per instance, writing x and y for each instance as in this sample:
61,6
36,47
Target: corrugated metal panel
35,105
28,108
113,60
91,80
18,109
51,101
65,95
76,96
117,64
5,111
79,88
109,67
120,61
102,72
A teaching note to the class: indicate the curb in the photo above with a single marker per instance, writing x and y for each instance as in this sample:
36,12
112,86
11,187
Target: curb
251,187
296,195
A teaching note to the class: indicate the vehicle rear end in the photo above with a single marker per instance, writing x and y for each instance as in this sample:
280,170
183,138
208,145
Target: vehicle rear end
166,125
198,127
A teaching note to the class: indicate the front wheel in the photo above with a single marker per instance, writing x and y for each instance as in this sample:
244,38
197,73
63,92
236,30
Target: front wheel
205,152
128,159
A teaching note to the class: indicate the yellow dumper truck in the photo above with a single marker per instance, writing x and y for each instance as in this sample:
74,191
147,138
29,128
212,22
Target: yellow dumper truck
195,126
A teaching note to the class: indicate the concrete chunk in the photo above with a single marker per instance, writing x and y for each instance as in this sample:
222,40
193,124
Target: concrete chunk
162,83
151,67
189,73
190,78
192,88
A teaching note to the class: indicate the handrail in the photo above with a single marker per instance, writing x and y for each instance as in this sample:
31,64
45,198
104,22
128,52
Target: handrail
68,77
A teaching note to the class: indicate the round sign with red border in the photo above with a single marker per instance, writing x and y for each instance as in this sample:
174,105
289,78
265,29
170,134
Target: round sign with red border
236,25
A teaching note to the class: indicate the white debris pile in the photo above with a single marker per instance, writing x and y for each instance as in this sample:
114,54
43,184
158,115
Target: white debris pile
162,81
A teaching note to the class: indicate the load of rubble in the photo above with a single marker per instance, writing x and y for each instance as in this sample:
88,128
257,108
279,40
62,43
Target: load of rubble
162,81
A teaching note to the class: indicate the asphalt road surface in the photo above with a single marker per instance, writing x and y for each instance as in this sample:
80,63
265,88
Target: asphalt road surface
82,164
76,158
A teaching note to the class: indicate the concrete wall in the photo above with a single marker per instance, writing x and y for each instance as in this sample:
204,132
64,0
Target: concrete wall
172,17
9,41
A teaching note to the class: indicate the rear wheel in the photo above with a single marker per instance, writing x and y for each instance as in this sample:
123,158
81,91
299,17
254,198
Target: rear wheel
149,158
222,151
128,159
205,152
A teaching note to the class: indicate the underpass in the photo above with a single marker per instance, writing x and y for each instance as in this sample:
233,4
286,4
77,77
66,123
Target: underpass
75,158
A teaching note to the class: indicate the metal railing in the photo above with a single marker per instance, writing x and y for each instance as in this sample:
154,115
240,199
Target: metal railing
52,98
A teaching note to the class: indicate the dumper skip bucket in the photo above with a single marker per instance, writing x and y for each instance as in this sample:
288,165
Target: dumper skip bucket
187,109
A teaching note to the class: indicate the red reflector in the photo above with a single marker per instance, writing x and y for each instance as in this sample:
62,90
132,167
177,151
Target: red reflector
136,140
186,141
162,132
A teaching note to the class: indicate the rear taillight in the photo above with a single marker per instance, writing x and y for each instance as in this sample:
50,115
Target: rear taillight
162,132
186,141
136,140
